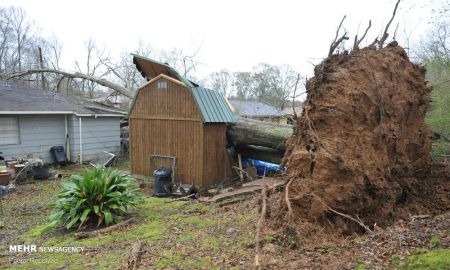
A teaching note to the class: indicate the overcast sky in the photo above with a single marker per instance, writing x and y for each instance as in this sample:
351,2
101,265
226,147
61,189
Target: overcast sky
232,34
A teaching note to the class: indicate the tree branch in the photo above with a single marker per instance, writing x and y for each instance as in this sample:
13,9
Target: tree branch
385,34
358,41
337,40
76,75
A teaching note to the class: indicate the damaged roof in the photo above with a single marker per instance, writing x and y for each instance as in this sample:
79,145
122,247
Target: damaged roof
212,105
22,99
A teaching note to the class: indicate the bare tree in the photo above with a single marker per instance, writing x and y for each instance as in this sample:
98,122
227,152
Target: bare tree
21,28
55,50
125,72
243,84
95,66
5,32
268,83
220,81
186,63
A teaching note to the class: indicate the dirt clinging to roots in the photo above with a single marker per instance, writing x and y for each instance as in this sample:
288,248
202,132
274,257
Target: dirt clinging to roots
361,146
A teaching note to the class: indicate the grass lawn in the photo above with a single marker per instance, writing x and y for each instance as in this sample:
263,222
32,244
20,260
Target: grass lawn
173,235
192,235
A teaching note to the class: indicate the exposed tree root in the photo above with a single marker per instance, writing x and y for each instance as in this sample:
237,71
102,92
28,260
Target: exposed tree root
358,221
109,229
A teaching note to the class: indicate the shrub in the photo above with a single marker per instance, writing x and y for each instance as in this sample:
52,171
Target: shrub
100,195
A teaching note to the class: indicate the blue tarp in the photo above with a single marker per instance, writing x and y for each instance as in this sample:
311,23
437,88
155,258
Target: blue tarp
262,167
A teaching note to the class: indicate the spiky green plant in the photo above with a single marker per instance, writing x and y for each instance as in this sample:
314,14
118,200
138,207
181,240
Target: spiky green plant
99,195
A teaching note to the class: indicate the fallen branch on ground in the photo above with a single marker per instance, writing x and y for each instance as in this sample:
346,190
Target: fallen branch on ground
182,198
133,262
82,235
259,225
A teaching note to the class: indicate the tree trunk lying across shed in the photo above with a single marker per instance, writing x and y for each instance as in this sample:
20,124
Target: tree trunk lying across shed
261,153
247,132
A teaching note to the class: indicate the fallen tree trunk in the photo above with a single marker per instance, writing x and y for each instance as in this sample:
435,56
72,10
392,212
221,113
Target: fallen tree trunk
261,153
247,132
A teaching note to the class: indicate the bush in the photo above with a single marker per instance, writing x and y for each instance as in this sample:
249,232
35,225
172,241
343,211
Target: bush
100,195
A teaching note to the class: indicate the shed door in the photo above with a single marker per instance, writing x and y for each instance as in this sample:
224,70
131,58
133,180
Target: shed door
9,130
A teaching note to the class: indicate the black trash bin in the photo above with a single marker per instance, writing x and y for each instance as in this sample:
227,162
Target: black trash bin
163,182
58,154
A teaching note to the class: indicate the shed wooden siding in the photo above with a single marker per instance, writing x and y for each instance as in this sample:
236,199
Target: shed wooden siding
166,122
169,138
174,102
216,162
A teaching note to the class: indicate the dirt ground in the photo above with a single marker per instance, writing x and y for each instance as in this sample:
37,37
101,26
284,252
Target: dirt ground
192,235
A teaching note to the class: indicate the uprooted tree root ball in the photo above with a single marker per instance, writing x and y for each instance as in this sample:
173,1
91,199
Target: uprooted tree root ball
361,152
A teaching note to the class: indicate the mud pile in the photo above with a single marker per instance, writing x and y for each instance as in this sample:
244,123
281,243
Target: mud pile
362,146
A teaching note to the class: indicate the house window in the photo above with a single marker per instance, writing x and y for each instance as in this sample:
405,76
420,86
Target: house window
9,130
162,85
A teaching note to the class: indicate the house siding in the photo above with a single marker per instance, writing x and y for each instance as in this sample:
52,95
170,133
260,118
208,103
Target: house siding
37,134
98,135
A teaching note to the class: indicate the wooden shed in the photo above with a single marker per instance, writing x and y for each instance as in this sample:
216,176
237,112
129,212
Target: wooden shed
172,116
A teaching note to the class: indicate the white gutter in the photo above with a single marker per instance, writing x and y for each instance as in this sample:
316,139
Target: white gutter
81,143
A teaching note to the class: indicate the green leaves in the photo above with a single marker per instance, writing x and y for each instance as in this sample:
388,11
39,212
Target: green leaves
100,195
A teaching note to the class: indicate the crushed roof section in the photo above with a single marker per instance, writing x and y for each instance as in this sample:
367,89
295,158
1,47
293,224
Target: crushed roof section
21,98
212,105
255,109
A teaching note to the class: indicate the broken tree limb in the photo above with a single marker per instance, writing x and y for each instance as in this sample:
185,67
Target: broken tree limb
385,33
337,40
82,235
241,175
249,188
358,41
73,75
133,261
253,132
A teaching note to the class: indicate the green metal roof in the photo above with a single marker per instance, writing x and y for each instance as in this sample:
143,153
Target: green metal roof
212,105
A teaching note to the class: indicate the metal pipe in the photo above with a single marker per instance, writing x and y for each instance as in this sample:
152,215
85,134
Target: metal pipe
65,123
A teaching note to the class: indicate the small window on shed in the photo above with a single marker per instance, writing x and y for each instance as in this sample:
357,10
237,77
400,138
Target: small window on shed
9,130
162,85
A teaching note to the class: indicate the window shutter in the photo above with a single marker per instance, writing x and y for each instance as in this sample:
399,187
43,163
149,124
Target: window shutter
9,130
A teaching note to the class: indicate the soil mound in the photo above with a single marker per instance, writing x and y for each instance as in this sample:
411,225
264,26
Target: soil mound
361,146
